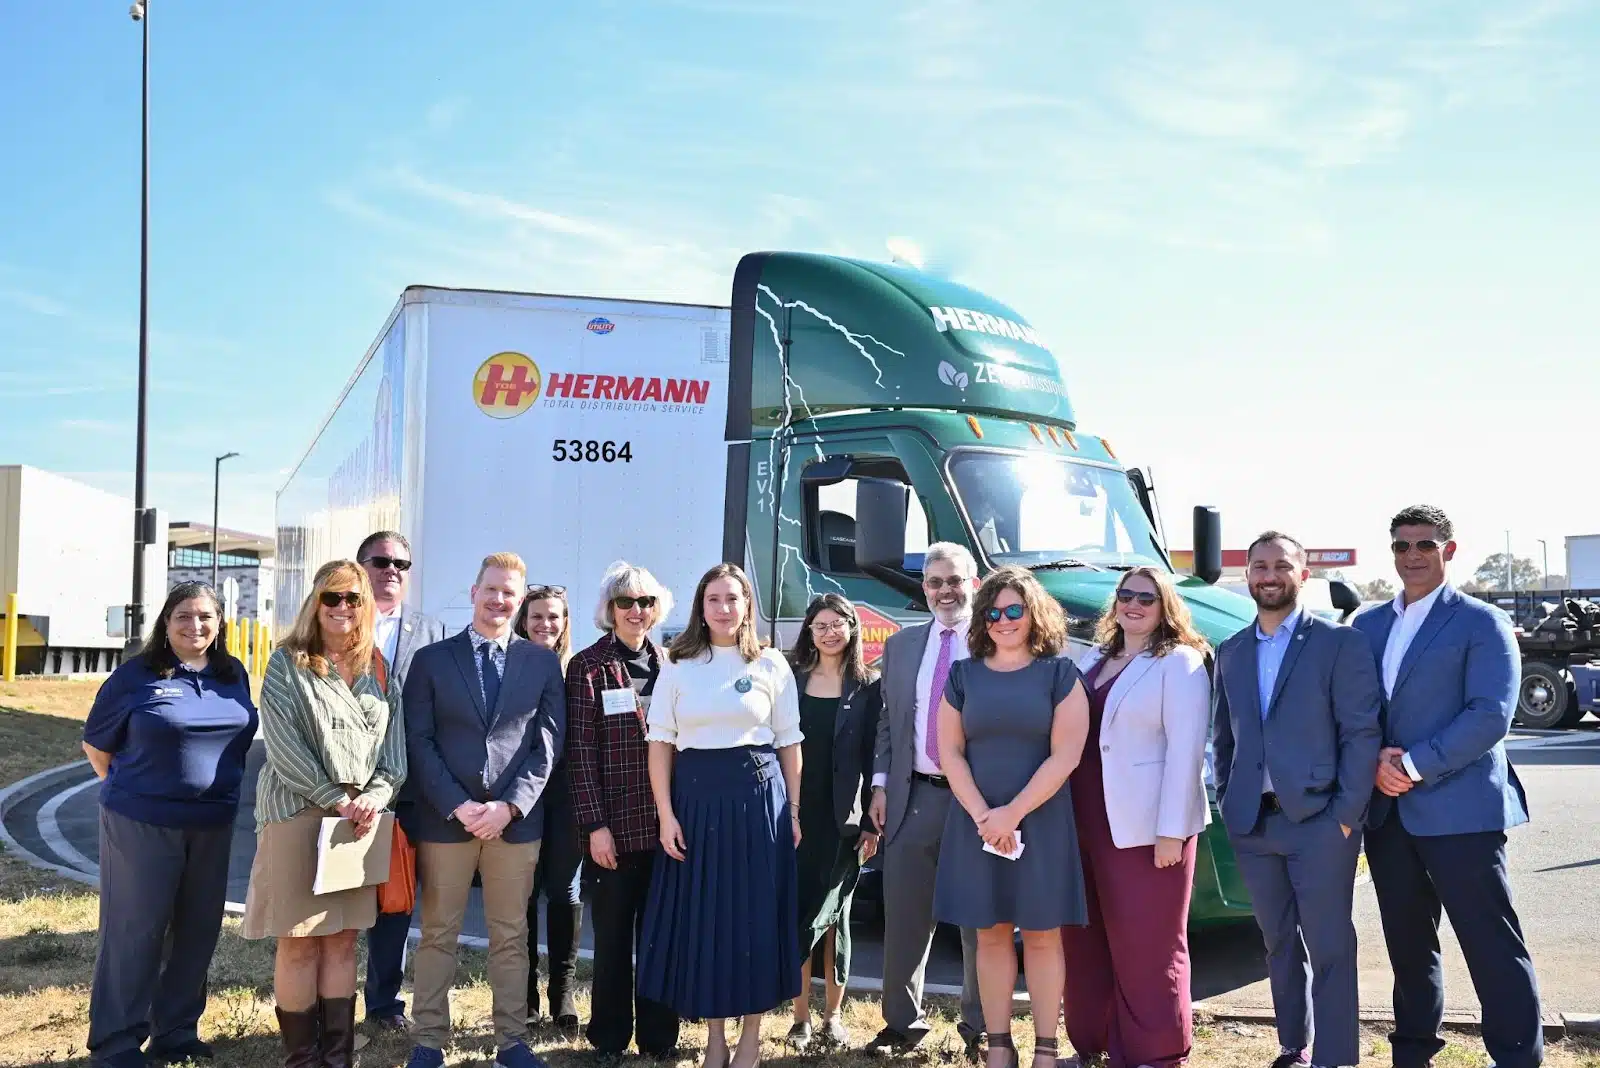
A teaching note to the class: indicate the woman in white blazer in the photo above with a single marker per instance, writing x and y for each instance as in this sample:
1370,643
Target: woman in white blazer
1140,800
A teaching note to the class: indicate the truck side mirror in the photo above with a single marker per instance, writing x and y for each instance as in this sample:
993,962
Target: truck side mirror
1344,597
1207,544
882,505
881,509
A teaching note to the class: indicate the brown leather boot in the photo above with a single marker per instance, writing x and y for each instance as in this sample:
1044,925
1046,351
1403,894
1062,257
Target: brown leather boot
300,1033
338,1032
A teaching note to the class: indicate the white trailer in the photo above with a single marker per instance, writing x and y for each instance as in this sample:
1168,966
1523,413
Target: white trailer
64,551
573,431
1583,561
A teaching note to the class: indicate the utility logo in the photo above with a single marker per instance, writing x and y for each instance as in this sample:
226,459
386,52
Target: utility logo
951,377
506,385
600,325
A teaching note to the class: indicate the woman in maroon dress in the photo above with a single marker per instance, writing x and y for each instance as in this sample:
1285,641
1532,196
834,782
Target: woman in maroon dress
1140,799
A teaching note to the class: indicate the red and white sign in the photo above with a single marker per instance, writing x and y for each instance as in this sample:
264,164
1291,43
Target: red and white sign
875,630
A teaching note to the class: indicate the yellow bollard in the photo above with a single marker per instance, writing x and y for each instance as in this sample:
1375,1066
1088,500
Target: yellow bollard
263,648
11,638
244,642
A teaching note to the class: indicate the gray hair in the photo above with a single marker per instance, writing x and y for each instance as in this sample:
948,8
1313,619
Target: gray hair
958,555
622,579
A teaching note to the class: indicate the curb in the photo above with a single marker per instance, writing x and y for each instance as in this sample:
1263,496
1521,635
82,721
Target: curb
1557,1026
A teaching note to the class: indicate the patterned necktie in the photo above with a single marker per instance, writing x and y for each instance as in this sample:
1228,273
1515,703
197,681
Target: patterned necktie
491,679
941,672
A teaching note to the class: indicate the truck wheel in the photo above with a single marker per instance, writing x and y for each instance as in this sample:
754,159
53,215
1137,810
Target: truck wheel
1544,697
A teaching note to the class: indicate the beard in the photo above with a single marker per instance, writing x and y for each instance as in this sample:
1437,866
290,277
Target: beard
1273,599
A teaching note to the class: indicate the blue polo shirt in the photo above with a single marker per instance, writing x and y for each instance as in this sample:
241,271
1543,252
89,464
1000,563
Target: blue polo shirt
177,745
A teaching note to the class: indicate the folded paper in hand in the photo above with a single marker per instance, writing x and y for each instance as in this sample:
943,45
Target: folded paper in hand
345,862
987,848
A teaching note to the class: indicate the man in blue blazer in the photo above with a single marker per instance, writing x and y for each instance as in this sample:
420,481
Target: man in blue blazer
485,720
1295,733
1445,796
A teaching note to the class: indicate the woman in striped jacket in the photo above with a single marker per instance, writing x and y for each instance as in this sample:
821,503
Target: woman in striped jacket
335,747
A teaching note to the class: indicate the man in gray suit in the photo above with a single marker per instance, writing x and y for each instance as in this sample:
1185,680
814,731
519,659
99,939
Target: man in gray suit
1296,736
911,798
399,633
486,717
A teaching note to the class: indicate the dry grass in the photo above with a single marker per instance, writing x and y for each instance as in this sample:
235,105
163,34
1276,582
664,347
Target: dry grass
47,944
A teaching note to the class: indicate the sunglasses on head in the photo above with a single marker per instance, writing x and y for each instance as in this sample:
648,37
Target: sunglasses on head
935,583
384,563
540,593
627,603
1012,612
1144,597
332,599
1426,545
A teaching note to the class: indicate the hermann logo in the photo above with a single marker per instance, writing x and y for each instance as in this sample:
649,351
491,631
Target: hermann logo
506,385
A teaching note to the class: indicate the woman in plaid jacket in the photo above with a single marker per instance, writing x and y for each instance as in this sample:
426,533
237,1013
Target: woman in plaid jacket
609,686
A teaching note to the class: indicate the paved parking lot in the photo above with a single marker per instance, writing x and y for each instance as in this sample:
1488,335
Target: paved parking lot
1555,870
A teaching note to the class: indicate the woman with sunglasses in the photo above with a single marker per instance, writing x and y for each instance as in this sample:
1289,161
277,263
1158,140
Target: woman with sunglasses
839,704
609,689
1011,730
1140,799
335,747
545,619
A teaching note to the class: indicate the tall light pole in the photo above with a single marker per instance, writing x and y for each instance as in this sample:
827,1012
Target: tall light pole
143,520
1545,549
216,511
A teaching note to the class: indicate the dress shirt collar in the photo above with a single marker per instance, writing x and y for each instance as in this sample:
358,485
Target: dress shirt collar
1423,606
1288,626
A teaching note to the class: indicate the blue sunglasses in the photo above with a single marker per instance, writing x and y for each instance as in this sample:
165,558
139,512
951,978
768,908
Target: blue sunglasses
1012,612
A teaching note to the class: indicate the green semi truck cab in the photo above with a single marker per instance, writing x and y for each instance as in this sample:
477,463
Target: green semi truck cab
888,409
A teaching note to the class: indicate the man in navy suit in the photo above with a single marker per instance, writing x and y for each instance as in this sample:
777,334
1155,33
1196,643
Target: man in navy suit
398,633
1296,733
1445,796
486,717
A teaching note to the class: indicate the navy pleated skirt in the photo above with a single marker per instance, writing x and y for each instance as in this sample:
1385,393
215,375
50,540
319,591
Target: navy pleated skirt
720,927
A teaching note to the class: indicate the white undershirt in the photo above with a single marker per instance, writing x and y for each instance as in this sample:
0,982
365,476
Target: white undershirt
1401,635
386,632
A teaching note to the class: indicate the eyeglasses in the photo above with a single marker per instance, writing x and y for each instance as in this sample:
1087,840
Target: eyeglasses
384,563
838,626
1012,612
1426,545
332,599
538,592
627,603
934,582
1144,597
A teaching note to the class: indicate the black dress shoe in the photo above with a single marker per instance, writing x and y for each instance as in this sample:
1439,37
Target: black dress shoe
890,1040
397,1022
193,1050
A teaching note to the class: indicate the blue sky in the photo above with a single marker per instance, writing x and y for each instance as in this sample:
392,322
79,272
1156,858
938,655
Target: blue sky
1310,262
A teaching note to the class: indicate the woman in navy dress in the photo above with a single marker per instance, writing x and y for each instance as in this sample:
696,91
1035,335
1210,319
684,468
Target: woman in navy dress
720,934
169,732
1011,729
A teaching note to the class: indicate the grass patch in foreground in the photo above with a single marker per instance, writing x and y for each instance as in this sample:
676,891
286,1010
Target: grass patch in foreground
47,941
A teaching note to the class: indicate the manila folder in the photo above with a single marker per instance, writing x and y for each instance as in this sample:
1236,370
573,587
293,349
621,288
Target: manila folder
345,862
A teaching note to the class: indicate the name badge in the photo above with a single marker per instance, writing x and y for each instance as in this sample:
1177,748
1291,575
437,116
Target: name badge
620,702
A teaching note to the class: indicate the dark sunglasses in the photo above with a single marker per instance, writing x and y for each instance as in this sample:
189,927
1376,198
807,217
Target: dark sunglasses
332,599
1426,545
1012,612
539,593
384,563
936,583
1144,597
627,603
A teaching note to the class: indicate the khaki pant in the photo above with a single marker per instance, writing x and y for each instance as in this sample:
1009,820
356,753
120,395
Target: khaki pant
446,870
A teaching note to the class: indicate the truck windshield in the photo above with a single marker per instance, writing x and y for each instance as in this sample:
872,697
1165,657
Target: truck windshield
1029,510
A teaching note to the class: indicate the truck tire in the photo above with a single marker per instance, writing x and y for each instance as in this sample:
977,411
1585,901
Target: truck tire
1544,697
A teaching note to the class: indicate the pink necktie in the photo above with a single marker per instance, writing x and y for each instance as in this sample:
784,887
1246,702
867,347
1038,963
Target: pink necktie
941,671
